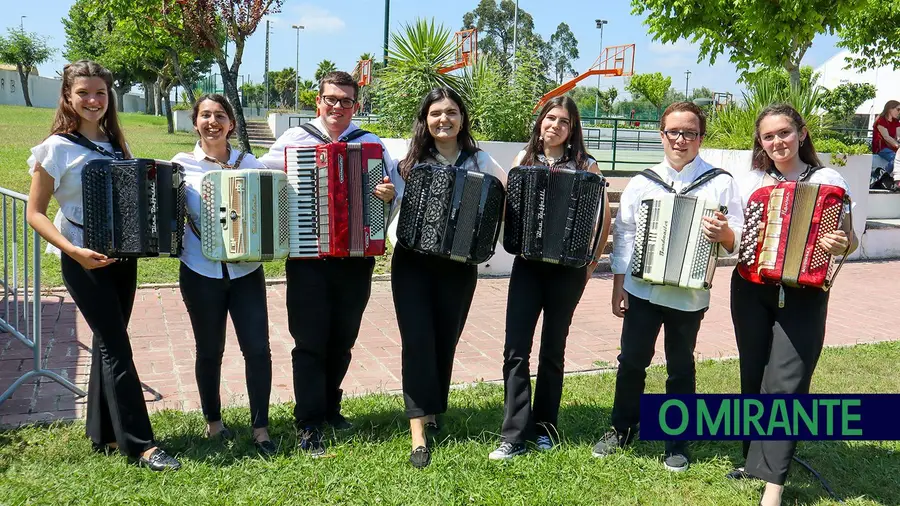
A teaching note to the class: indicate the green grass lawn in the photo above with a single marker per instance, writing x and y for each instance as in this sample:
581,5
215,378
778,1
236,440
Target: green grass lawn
54,465
21,128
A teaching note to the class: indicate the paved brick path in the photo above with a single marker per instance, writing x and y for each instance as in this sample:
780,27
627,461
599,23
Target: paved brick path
164,349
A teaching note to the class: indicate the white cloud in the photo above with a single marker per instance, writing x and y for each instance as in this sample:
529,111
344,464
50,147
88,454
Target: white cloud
316,19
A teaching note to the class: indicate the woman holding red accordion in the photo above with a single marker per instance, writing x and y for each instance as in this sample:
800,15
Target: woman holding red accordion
780,329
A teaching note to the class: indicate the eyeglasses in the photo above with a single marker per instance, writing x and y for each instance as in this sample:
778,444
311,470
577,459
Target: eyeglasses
689,135
346,103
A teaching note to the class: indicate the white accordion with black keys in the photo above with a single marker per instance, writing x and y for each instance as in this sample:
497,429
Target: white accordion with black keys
669,245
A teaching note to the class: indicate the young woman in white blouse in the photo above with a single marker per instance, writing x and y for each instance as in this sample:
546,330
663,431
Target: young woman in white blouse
212,290
780,343
432,295
535,287
86,128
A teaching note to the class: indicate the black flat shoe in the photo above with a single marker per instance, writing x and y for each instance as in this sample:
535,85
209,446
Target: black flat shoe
339,422
420,457
266,448
223,435
159,461
739,473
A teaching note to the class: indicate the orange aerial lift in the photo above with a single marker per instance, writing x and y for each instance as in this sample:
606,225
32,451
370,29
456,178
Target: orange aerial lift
466,42
363,72
614,61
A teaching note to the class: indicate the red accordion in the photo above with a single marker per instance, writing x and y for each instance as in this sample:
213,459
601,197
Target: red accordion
782,228
333,210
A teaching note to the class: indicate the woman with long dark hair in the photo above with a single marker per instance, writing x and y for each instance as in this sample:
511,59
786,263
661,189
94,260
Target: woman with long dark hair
432,295
780,330
86,128
534,286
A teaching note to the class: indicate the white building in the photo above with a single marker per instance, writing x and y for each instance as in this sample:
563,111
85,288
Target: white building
886,80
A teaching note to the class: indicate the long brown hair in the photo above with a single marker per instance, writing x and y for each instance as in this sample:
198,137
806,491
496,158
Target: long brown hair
575,148
887,107
807,151
67,119
422,142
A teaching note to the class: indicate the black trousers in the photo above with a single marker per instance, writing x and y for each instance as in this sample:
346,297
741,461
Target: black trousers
535,286
639,332
209,301
116,411
432,297
778,350
326,299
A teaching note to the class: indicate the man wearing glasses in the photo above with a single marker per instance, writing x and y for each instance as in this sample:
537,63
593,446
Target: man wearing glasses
645,307
326,298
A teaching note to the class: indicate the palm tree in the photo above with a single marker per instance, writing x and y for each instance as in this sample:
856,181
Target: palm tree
325,66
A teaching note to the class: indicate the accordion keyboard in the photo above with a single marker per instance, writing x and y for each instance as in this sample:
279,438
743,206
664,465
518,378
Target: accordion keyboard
303,201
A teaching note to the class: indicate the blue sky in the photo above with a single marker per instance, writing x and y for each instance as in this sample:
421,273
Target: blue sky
342,31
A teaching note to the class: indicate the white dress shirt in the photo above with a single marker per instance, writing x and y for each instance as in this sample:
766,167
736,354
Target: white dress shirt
195,167
722,189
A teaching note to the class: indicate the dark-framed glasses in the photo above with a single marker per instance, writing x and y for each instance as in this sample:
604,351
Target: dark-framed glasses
689,135
346,103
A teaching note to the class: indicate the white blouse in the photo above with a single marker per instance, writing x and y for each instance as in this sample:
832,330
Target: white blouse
195,167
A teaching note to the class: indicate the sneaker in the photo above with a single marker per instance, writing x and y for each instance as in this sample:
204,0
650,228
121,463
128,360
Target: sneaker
544,443
611,442
677,462
310,441
337,421
507,450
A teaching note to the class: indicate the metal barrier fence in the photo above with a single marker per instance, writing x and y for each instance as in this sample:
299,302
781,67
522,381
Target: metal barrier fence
17,319
622,134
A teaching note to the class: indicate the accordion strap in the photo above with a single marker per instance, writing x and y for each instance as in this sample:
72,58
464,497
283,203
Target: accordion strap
706,176
86,143
806,174
315,132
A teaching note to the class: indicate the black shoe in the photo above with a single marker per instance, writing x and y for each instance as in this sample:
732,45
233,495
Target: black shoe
159,461
612,441
432,429
337,421
738,473
223,435
420,457
677,462
310,441
265,448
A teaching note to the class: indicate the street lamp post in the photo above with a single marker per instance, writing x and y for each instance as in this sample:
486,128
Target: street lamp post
297,70
687,79
515,35
22,23
387,20
600,23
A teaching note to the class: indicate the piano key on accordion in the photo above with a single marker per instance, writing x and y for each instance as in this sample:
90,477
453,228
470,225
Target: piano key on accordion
669,245
244,215
451,213
133,208
333,207
554,215
782,228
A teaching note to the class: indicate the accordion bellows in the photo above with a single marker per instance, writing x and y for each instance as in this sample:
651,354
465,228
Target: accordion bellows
553,215
133,208
451,213
669,245
333,209
244,215
782,227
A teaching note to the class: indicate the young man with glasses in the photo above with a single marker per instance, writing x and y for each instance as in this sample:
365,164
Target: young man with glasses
326,298
645,307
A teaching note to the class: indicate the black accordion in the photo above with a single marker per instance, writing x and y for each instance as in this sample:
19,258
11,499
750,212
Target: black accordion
133,208
554,215
451,213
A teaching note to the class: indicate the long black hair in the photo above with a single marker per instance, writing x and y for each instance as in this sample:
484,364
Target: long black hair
807,151
575,149
422,142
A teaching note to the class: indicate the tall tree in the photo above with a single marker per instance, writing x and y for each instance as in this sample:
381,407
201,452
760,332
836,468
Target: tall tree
753,32
872,34
325,66
25,50
652,87
564,51
842,102
495,23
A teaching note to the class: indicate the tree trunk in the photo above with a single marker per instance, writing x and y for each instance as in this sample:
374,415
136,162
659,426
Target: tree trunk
229,79
148,97
170,120
121,91
157,103
23,77
176,65
793,70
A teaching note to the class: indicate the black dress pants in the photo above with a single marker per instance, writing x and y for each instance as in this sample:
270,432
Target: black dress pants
778,350
209,301
432,297
639,332
116,411
534,287
326,299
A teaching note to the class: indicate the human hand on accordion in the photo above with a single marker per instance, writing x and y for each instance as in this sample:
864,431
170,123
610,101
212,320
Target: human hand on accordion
835,243
90,259
716,229
385,191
